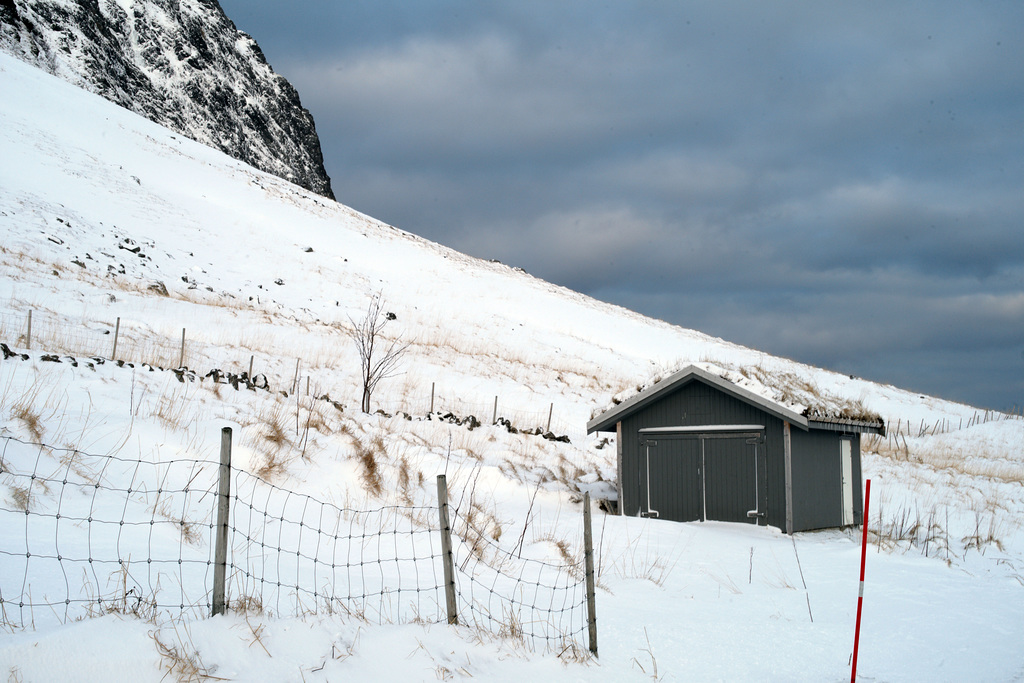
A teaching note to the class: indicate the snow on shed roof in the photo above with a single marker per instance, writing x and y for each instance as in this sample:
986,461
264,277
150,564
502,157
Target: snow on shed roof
784,395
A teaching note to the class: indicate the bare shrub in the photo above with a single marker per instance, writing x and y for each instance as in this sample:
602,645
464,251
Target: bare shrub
378,357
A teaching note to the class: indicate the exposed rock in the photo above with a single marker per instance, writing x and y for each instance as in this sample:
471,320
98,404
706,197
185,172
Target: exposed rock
180,63
158,287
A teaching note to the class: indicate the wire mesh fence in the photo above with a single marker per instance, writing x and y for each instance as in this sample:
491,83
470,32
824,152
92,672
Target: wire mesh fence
88,534
540,603
293,554
85,534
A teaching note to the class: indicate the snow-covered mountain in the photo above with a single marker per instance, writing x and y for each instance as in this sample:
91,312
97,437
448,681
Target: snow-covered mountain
111,225
180,63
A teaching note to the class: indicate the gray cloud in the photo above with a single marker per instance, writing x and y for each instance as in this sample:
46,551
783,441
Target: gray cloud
839,183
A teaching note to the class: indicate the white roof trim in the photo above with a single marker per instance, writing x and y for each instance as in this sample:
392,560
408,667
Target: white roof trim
702,429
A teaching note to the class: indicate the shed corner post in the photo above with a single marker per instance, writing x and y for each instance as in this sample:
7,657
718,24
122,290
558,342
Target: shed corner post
787,444
618,467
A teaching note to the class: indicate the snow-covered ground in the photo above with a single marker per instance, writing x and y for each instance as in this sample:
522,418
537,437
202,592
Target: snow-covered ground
101,212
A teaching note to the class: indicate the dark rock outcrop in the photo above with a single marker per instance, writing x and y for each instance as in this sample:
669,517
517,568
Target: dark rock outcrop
180,63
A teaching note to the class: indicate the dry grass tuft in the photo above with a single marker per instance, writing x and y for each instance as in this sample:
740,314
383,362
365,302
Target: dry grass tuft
24,412
20,497
180,658
367,455
191,533
247,605
268,438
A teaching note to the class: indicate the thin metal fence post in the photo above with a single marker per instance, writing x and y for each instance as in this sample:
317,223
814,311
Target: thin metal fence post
220,561
550,411
432,384
181,360
117,331
446,549
494,420
588,556
28,336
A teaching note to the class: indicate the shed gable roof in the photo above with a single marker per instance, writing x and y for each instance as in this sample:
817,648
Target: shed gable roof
607,420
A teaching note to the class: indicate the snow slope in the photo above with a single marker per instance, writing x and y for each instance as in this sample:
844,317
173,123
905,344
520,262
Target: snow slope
102,211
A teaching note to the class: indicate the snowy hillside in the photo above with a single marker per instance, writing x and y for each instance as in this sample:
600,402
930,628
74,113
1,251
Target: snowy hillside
111,225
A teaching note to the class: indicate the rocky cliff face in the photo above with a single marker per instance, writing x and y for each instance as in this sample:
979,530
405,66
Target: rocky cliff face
180,63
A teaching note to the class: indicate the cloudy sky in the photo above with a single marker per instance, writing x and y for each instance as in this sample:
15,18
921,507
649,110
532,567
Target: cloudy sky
837,182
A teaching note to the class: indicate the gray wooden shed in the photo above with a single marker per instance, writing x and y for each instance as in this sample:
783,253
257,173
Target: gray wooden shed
696,446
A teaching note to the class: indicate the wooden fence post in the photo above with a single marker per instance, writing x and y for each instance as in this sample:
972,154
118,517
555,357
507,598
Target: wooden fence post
220,560
117,331
28,335
181,359
251,358
550,410
446,549
432,396
588,557
494,420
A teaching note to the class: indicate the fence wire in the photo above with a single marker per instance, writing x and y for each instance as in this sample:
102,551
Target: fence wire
84,534
293,554
541,604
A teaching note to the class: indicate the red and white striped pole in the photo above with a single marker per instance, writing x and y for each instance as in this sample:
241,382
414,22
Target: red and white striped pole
860,594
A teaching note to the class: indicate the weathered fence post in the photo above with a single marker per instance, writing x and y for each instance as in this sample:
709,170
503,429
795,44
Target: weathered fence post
432,397
220,559
295,381
588,561
494,420
28,335
550,411
446,549
251,358
117,331
181,359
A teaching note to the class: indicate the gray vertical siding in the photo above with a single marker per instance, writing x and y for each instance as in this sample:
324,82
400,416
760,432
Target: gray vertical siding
730,479
694,404
675,484
817,480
